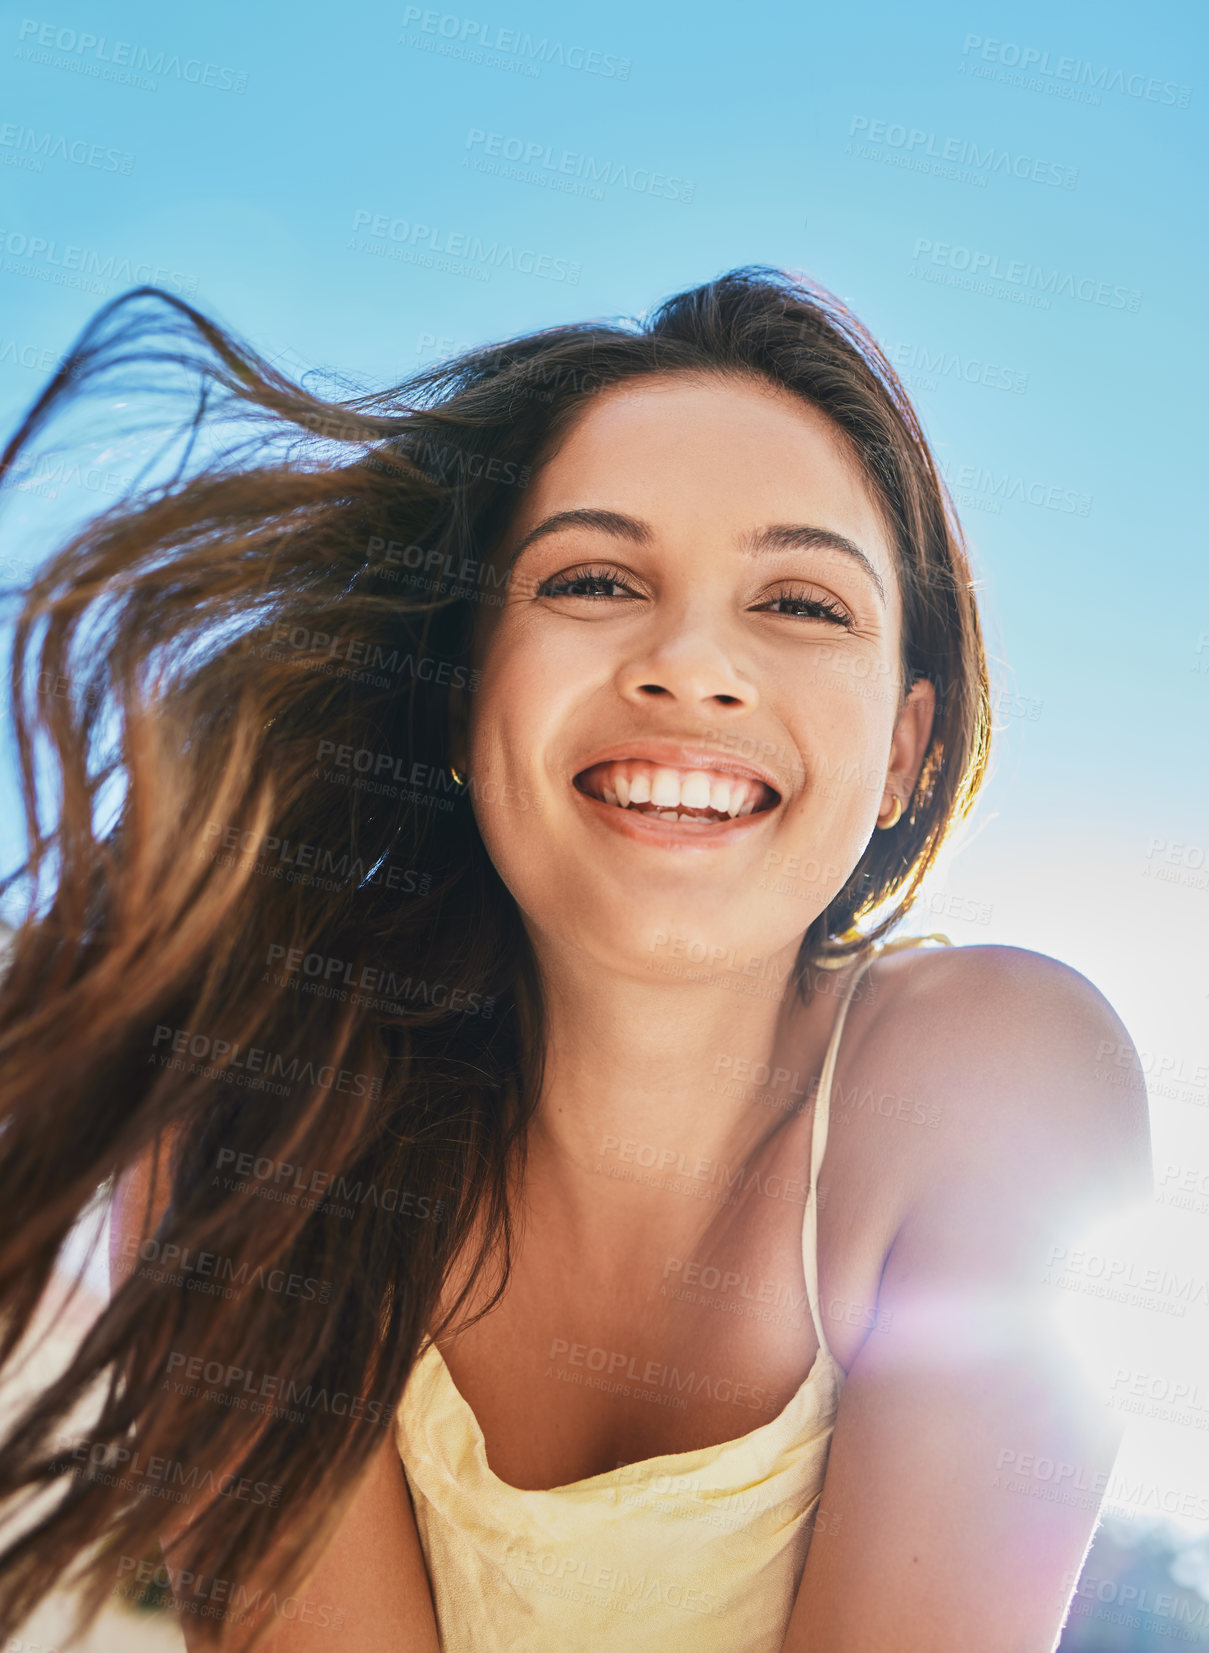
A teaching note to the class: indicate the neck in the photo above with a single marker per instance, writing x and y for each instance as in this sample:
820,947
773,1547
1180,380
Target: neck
656,1084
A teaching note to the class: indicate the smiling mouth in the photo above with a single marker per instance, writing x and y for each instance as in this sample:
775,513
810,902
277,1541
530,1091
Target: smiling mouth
667,794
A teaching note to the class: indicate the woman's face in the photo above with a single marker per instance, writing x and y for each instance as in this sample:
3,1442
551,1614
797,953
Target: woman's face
703,616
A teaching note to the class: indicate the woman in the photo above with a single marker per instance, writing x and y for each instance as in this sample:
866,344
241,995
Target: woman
545,1217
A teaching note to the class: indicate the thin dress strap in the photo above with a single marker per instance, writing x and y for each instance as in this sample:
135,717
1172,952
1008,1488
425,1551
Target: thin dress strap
822,1113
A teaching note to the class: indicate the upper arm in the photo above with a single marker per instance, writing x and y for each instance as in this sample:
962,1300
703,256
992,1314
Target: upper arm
971,1450
369,1590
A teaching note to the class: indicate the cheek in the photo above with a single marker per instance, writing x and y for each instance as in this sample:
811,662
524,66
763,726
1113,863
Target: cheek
504,796
513,722
848,709
505,721
530,687
844,745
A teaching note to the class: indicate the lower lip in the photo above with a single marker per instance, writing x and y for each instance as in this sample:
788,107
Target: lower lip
648,829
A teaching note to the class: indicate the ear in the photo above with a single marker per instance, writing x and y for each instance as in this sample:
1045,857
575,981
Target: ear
910,741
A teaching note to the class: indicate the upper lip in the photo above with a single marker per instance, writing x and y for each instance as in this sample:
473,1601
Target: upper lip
679,755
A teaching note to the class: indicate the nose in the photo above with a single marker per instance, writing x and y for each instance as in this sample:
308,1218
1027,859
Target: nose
685,663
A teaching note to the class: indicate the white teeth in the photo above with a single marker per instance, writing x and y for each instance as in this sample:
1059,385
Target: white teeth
665,788
670,790
694,790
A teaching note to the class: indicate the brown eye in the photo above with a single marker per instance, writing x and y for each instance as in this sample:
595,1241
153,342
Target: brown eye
808,607
573,584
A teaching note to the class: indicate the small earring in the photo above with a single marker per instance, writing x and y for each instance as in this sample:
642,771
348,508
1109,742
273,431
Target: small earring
459,780
895,813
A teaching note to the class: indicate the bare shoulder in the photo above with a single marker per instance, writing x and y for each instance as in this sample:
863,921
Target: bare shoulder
1027,1062
970,1376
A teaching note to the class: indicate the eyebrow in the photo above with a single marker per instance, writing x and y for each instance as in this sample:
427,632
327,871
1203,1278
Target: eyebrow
781,536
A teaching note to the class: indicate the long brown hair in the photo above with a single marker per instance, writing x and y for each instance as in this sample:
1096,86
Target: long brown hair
258,914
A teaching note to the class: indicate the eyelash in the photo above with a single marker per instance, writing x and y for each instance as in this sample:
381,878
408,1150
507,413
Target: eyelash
559,586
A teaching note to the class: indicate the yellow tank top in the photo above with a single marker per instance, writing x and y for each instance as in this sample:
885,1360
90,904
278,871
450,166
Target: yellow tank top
689,1552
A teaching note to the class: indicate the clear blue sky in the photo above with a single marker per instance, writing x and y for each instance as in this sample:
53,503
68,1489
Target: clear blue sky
1005,194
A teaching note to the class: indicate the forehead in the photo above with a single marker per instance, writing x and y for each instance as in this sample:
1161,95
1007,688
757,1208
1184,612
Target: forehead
704,451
